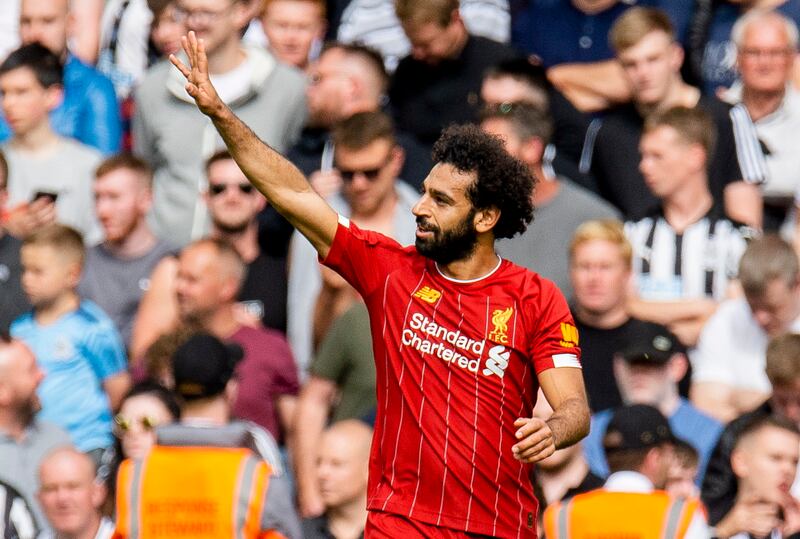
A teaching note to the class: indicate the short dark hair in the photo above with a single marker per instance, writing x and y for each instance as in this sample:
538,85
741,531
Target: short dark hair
45,65
693,125
526,120
501,181
125,161
761,421
362,129
626,459
219,155
522,70
159,392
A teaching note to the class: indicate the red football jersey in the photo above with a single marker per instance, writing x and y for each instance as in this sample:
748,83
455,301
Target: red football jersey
457,364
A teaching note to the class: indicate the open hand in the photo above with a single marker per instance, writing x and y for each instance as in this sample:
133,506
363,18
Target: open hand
198,84
536,440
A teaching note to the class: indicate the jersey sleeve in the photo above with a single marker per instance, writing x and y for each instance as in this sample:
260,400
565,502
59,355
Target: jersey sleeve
103,349
364,258
555,343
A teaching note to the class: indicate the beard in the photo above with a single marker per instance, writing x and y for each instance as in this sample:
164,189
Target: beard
232,227
450,245
27,410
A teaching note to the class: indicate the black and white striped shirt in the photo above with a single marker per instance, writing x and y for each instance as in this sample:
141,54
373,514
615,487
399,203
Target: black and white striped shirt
17,521
698,263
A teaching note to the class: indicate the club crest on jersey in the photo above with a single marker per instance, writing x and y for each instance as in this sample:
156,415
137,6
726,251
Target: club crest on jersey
428,294
500,318
569,335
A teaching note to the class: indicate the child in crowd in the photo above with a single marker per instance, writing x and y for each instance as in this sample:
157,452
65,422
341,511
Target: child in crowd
74,341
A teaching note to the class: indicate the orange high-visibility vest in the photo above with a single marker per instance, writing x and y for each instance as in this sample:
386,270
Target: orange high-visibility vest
197,492
602,514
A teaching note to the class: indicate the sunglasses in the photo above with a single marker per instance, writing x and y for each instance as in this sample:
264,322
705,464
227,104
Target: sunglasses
219,188
124,424
370,174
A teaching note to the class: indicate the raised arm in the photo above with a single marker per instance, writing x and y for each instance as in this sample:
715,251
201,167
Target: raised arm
278,180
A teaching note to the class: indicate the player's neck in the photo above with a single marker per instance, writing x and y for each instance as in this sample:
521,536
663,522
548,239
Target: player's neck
481,263
50,312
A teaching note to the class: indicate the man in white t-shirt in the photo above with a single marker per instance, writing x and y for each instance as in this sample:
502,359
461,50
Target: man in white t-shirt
728,376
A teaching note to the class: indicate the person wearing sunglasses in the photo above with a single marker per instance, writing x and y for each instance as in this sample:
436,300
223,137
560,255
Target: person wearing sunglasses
146,406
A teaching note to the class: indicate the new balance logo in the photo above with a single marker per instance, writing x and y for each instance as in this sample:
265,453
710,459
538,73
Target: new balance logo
428,294
497,361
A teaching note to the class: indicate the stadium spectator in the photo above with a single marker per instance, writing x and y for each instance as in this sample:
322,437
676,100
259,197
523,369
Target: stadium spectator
519,80
560,204
712,62
678,282
728,375
764,461
783,372
233,206
265,92
71,498
342,469
639,445
146,406
83,30
439,82
600,271
681,478
117,271
645,45
16,519
375,24
24,438
201,460
75,343
210,275
165,31
12,298
566,472
294,28
340,386
648,372
766,45
43,164
9,28
368,157
89,110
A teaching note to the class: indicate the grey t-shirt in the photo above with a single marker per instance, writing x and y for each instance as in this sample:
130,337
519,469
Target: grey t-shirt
67,170
13,301
19,461
117,284
544,247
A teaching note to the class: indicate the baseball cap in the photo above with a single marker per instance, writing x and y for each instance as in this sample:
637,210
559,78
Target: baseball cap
638,426
203,365
652,343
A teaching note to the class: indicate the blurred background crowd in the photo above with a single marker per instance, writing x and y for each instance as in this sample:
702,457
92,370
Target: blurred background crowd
150,298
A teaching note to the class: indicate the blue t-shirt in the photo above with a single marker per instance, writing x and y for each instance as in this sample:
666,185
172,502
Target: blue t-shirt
77,353
687,423
89,112
559,33
719,55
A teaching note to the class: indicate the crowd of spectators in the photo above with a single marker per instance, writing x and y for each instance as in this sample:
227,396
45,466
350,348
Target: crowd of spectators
153,305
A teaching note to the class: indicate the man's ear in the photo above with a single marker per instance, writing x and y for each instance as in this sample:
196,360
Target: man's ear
486,219
54,96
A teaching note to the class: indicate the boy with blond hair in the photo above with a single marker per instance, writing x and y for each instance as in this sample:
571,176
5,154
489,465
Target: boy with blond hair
74,341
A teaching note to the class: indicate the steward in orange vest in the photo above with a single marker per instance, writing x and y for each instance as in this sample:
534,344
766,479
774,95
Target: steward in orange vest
208,477
638,444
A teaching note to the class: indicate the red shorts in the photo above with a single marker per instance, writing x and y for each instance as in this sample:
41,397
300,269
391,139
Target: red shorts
382,525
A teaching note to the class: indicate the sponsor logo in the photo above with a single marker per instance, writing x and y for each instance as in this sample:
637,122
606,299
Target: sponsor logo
569,335
497,361
428,294
500,318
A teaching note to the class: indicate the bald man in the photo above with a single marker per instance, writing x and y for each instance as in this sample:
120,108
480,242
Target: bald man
210,275
89,111
71,498
342,470
24,440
